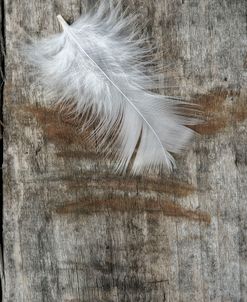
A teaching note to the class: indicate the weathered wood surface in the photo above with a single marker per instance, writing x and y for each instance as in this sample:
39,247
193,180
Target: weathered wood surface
73,231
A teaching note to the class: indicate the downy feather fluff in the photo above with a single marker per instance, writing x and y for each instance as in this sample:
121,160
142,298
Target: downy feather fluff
100,63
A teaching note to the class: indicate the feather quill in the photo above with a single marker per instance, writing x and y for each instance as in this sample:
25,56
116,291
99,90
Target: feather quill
99,63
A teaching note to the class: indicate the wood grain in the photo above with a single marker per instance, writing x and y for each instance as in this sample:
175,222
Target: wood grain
72,230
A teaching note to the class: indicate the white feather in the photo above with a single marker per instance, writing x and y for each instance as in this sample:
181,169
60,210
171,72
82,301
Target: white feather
98,62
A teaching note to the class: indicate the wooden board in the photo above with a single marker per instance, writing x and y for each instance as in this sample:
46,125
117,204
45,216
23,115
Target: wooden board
72,230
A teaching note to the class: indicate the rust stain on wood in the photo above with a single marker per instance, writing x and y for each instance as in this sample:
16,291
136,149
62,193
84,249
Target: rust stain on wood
64,132
133,184
221,108
133,205
57,126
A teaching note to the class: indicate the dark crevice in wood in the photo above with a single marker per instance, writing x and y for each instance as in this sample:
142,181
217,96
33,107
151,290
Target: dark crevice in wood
80,8
2,78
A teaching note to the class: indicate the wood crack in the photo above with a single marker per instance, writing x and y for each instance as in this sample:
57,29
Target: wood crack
2,78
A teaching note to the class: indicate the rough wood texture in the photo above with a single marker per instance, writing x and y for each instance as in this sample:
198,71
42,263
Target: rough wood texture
73,231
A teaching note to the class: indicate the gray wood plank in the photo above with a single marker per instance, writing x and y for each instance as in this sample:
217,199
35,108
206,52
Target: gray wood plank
73,231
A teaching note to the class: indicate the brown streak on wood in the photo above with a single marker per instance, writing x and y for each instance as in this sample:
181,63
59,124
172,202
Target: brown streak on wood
133,205
218,113
57,126
176,188
64,132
